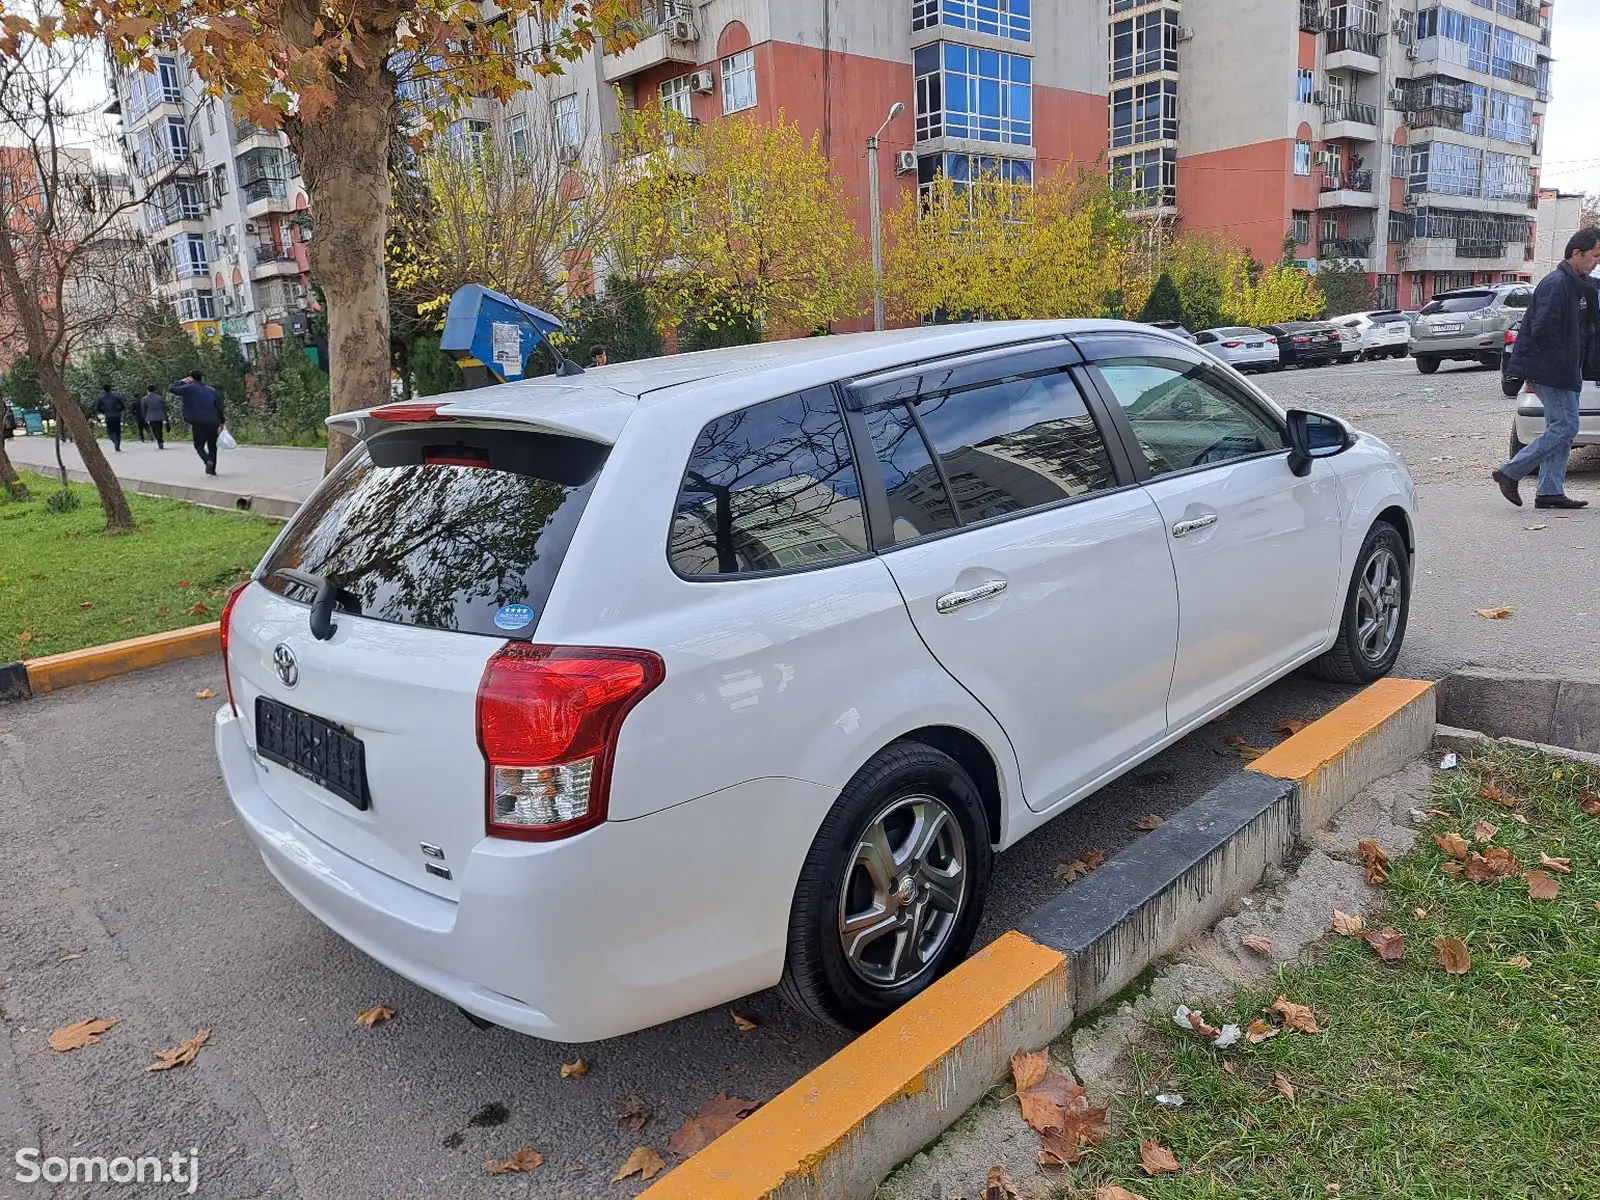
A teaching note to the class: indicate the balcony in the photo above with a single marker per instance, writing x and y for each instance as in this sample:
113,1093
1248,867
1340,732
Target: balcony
668,32
1446,254
1518,73
1480,248
1310,16
1355,50
248,136
1352,189
164,160
267,261
263,195
1349,119
1360,248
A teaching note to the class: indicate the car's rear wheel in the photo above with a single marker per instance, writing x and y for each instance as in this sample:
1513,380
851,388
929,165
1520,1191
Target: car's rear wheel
1516,442
1510,386
1427,364
1489,360
891,891
1401,351
1373,622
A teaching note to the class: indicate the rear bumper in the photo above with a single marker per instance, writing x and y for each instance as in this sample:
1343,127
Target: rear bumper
625,926
1463,347
1530,422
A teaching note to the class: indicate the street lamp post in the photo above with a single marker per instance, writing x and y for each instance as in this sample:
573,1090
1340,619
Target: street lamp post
877,215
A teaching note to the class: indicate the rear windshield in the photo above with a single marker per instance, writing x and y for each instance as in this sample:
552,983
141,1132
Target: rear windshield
1471,302
462,531
1386,316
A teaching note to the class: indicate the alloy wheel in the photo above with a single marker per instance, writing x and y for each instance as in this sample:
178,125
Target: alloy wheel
1379,604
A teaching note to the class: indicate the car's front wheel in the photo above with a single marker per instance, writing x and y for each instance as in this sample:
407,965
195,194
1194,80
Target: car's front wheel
1516,442
1372,624
890,894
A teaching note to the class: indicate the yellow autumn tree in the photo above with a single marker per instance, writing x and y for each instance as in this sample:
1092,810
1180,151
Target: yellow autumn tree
736,223
1278,293
988,247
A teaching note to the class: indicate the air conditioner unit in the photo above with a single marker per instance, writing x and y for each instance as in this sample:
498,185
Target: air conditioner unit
1185,33
568,154
1397,25
1325,160
682,29
1413,53
703,83
1412,200
249,226
1397,97
905,162
1319,98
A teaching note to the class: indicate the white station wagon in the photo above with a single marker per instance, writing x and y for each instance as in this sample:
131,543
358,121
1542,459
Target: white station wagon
586,703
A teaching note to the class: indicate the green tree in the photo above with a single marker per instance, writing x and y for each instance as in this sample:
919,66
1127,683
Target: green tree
1164,302
1346,288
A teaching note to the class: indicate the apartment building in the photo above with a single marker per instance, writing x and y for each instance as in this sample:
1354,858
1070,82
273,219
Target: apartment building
1403,135
1560,216
222,206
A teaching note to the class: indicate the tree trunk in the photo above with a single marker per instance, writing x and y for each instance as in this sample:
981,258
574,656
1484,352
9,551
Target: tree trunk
25,305
344,157
9,476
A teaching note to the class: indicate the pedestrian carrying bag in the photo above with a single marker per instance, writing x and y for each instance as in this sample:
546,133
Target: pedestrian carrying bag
226,441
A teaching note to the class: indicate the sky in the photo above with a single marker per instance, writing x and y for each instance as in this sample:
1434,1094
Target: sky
1572,126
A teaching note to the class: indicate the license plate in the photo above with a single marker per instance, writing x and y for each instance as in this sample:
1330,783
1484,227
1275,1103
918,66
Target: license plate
1255,345
312,748
1454,328
1398,328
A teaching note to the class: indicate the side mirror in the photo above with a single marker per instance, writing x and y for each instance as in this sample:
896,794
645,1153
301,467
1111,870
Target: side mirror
1313,436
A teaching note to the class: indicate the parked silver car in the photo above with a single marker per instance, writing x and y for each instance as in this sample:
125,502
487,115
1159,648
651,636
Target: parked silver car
1529,421
1241,347
1467,325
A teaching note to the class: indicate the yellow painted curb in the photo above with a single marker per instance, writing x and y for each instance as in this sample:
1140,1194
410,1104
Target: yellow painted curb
1322,742
790,1138
56,671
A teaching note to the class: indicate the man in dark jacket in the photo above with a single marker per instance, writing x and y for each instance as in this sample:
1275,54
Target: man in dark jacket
202,409
152,408
1549,354
111,406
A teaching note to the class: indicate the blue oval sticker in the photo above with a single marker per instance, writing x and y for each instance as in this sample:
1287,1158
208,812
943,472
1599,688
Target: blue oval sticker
514,616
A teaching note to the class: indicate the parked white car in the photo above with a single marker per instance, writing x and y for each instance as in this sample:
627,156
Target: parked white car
586,703
1241,347
1385,333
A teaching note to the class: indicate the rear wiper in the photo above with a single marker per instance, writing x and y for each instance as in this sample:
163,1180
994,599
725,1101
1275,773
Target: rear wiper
328,595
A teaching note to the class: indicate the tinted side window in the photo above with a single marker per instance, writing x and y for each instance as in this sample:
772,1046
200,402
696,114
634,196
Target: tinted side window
918,503
1182,419
1016,444
769,488
1519,299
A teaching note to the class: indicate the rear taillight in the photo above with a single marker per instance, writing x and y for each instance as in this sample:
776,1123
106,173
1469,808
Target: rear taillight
1232,345
548,721
1298,340
223,628
1511,336
1272,341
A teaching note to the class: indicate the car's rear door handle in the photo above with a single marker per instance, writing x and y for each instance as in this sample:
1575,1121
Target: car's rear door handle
952,601
1194,525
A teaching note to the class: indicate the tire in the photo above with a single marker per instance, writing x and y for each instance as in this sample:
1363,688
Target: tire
1489,360
1427,364
1511,387
1516,442
905,786
1354,659
1401,352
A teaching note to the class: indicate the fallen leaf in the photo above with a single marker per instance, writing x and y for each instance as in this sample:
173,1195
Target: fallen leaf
1483,831
1261,945
1518,817
1564,865
162,611
1148,822
1491,792
1157,1159
522,1160
742,1022
1452,844
636,1113
1502,860
1069,872
1056,1149
1495,614
643,1162
1234,739
1284,1084
206,694
1115,1191
374,1015
1452,869
1199,1025
1290,728
1542,885
1420,914
1251,753
1521,962
24,637
86,604
200,610
1376,859
1296,1016
181,1054
1051,1102
716,1116
1346,924
1453,955
999,1186
184,583
1590,803
1389,942
76,1036
38,577
1437,812
1259,1031
574,1070
1229,1069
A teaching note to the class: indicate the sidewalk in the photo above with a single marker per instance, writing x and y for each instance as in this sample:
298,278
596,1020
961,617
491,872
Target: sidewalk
270,480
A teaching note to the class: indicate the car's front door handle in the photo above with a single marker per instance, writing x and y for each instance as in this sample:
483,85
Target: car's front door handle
953,601
1194,525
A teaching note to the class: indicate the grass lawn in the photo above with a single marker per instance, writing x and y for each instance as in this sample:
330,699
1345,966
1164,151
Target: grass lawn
66,584
1421,1084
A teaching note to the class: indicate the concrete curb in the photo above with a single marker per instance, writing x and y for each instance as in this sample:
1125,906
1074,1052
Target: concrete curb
265,506
1543,709
838,1132
57,671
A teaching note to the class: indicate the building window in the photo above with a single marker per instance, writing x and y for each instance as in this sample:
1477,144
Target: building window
966,171
569,122
1305,80
1399,228
171,81
739,81
970,93
1000,18
1472,32
178,138
1388,291
1302,158
1330,228
1300,225
1145,112
517,135
1150,176
1398,161
676,97
1510,118
1144,43
1515,57
1506,177
1448,169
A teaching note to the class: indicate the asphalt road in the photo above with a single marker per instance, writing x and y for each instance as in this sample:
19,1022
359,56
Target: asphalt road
129,892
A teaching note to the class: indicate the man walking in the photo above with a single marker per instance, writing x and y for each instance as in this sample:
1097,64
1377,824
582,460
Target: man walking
202,409
152,410
111,406
1549,354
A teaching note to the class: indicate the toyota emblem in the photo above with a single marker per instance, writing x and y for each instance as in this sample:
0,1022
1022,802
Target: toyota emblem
284,662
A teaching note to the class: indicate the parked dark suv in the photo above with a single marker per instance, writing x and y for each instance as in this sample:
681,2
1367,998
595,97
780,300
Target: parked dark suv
1307,343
